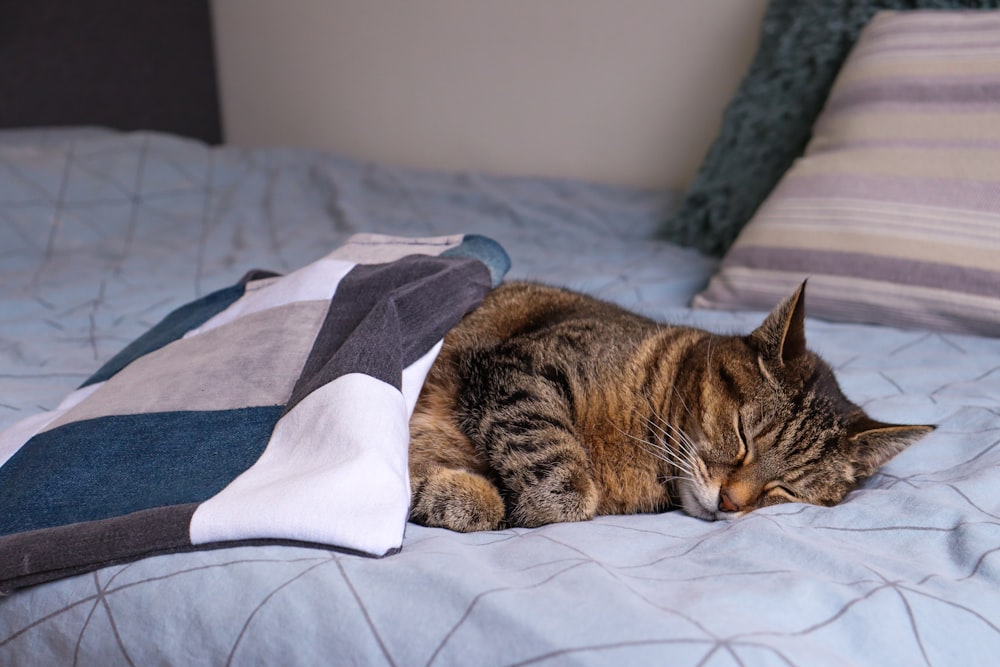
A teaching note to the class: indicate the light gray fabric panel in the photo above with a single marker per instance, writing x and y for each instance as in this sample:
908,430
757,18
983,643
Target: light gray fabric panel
215,370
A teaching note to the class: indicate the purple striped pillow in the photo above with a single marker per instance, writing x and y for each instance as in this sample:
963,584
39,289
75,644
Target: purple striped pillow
893,213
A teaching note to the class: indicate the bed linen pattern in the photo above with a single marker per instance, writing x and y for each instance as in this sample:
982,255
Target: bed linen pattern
95,228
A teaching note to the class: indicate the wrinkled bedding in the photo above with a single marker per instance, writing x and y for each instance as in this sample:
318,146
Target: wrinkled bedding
102,234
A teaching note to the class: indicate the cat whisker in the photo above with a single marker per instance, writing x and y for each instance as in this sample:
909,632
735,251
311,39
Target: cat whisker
675,478
679,455
686,439
686,458
676,436
666,427
660,452
680,398
679,459
680,441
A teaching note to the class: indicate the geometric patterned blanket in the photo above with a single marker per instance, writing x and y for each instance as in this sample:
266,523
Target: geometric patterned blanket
275,410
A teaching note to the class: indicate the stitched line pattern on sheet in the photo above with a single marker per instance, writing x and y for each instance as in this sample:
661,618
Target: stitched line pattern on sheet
644,588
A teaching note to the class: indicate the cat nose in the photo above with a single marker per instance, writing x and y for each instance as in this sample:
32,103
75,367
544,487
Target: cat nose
726,503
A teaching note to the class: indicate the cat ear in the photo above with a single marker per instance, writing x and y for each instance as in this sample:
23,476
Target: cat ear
782,336
877,442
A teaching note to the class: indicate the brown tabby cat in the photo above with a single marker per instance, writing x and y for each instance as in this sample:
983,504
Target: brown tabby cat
546,405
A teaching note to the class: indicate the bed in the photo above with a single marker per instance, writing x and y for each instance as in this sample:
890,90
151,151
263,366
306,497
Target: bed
104,234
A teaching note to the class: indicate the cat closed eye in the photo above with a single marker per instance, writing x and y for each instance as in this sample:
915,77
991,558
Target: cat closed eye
780,490
743,454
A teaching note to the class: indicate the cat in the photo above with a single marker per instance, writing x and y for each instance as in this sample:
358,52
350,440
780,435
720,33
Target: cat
546,405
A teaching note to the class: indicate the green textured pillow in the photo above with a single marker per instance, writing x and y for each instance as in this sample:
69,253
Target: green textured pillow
769,121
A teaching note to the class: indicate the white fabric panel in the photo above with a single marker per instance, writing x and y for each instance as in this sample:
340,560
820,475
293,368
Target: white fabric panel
414,374
314,282
378,248
334,472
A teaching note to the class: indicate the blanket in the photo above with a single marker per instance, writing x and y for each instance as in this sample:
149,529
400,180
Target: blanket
276,409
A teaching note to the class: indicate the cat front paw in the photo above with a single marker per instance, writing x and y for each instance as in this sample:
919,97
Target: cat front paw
568,494
458,500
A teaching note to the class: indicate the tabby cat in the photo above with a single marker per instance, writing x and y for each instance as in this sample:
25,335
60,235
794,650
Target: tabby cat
546,405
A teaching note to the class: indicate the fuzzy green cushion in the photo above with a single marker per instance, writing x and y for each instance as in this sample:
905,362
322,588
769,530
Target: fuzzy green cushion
769,121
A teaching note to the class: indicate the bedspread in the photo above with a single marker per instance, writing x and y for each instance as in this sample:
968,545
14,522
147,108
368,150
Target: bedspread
103,234
276,409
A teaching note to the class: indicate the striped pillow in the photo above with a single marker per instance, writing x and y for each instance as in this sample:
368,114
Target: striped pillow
893,213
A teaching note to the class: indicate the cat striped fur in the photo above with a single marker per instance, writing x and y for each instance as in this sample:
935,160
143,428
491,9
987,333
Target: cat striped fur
547,405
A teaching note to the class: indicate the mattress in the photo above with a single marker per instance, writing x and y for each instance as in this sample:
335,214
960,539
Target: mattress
102,234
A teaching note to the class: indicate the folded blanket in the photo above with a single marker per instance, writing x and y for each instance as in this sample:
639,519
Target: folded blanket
273,410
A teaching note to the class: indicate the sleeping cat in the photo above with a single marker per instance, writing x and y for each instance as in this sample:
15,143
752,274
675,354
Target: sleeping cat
546,405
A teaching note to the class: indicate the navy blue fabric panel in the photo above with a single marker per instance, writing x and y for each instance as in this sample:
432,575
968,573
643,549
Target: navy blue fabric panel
175,325
384,317
112,466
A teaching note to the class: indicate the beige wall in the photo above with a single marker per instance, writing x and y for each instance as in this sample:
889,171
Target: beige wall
619,91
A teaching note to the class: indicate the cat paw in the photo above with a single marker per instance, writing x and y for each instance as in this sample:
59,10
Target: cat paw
565,495
458,500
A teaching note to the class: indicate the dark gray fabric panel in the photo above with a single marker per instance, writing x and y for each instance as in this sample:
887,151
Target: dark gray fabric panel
43,555
378,321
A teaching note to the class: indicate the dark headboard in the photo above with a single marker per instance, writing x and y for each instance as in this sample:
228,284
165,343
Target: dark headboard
125,64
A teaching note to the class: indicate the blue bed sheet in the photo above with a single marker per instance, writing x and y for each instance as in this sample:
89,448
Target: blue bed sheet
102,234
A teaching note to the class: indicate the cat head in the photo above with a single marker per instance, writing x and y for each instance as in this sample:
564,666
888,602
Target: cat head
773,425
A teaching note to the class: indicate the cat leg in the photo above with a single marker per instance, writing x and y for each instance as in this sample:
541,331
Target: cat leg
447,490
531,444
